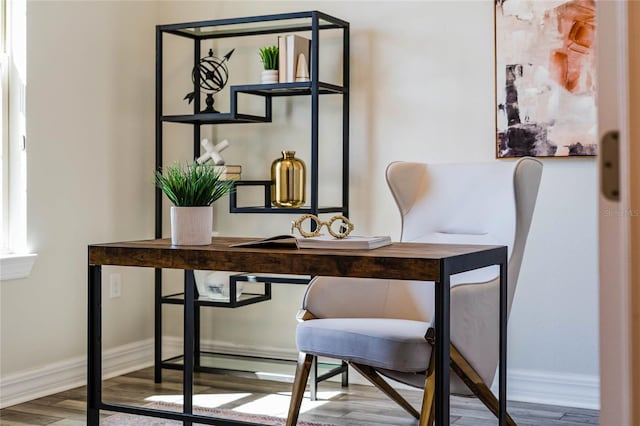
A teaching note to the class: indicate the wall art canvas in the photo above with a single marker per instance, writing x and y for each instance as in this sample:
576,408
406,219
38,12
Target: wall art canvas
545,78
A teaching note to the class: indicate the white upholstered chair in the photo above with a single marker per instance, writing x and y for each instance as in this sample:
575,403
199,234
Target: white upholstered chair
379,326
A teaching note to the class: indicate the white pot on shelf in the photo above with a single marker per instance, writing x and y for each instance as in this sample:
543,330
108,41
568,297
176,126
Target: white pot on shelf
269,77
191,226
216,285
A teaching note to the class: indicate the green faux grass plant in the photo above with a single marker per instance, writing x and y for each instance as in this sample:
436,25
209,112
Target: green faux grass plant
269,56
192,185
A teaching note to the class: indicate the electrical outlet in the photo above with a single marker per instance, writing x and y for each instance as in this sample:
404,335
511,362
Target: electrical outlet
115,288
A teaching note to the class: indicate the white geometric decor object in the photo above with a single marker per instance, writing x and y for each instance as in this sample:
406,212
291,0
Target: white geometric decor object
212,152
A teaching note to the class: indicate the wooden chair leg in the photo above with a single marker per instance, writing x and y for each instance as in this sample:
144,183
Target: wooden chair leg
370,374
299,385
432,414
427,415
475,383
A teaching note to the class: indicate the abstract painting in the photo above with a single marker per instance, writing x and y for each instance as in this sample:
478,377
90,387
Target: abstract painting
545,78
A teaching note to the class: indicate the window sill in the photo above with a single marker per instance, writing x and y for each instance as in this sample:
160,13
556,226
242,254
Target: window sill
14,266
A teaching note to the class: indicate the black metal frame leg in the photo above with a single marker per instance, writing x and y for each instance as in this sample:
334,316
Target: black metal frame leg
502,363
188,343
94,342
157,329
157,347
442,326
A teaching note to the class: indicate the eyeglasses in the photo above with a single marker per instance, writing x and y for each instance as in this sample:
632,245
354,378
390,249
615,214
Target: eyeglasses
338,226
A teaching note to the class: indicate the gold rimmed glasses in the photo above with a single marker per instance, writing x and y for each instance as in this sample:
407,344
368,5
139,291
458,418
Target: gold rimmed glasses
338,226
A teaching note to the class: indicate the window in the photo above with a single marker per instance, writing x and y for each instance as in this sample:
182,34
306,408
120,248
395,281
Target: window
4,130
15,260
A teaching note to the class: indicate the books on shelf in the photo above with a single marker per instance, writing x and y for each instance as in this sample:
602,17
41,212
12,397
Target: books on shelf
229,172
351,242
230,176
292,49
282,59
227,168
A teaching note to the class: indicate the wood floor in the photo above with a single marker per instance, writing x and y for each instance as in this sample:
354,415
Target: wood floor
355,405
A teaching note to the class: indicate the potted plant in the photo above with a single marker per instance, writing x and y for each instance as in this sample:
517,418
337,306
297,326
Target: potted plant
192,188
269,56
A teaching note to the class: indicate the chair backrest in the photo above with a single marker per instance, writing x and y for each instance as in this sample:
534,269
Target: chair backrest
472,203
482,203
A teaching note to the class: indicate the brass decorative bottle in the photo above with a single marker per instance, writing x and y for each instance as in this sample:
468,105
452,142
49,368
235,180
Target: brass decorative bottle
288,181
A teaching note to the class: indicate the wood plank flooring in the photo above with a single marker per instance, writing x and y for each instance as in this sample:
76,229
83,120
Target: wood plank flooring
356,405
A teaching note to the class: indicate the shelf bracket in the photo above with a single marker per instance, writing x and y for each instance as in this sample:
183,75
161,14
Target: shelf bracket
233,196
234,104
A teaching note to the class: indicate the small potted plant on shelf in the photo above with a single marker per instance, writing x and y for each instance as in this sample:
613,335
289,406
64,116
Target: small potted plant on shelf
269,56
192,188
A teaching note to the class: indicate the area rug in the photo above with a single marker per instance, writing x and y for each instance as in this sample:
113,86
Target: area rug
131,420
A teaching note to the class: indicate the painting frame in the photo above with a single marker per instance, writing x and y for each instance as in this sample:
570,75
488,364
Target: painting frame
545,78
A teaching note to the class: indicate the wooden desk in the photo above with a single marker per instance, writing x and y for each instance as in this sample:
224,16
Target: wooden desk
404,261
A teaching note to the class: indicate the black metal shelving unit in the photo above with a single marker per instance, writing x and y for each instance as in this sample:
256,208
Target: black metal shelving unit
313,21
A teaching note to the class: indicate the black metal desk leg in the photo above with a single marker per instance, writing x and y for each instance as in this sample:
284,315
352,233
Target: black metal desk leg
157,343
188,344
442,308
94,341
502,364
196,333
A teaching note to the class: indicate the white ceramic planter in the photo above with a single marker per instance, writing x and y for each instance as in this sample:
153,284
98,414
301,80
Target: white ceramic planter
191,226
269,77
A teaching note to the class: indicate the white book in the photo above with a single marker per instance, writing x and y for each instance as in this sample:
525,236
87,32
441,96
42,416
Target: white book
282,59
352,242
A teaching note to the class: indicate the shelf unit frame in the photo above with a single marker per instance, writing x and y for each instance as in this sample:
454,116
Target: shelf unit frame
314,21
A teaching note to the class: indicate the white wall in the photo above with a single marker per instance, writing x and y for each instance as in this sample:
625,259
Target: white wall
422,78
422,90
90,115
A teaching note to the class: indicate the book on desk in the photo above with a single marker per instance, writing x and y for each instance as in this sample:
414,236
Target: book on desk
351,242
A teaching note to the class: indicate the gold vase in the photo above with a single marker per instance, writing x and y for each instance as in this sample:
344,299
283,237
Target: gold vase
288,181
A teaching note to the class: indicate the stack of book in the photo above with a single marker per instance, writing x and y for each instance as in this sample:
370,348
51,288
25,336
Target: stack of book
293,58
229,172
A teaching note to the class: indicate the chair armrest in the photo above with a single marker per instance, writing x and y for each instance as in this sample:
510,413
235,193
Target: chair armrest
304,315
430,336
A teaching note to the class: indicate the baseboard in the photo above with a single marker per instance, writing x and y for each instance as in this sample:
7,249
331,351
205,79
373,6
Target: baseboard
565,389
540,387
65,375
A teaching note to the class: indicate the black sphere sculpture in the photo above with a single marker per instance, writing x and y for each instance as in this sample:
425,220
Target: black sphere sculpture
213,74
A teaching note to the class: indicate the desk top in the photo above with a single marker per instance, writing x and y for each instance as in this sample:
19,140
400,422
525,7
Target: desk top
408,261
